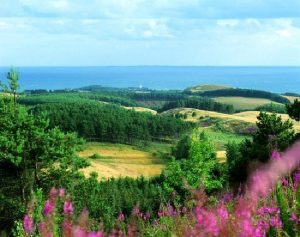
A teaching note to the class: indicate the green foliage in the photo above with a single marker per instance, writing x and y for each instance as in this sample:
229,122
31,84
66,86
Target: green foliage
74,97
284,211
181,151
294,110
272,134
273,108
105,200
236,163
29,151
199,169
13,82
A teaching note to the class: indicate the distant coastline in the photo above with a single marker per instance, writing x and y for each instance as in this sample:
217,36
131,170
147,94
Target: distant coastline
279,79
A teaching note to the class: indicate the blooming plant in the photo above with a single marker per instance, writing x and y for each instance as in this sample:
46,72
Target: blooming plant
270,207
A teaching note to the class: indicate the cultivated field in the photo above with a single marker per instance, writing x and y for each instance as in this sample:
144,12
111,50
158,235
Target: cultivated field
115,160
243,102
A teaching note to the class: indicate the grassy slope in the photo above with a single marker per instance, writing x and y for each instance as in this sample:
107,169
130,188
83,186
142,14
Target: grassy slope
248,116
292,98
123,160
243,102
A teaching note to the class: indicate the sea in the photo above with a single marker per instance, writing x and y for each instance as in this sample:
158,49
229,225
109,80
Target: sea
274,79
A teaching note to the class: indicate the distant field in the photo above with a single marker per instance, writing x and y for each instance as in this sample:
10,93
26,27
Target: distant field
243,102
248,116
292,98
115,160
203,88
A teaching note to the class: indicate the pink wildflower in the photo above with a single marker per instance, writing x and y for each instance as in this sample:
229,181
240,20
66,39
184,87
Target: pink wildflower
79,232
121,217
136,211
53,192
223,213
61,192
275,222
48,208
96,234
275,155
294,218
28,224
68,207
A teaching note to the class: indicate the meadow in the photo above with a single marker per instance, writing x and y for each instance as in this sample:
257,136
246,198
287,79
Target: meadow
118,160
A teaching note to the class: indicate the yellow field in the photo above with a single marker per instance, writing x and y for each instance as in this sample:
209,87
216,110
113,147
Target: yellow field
121,160
142,109
292,98
243,102
248,116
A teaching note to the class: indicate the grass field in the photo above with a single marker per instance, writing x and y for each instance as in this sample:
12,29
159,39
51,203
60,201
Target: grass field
243,102
115,160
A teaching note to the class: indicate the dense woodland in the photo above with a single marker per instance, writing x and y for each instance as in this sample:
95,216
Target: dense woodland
37,152
111,123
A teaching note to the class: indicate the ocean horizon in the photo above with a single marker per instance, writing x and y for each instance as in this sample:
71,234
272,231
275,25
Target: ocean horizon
275,79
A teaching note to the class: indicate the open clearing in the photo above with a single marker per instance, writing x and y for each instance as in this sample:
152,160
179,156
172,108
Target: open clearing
141,109
115,160
243,102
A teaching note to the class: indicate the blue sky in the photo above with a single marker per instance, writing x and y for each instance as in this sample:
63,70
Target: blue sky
149,32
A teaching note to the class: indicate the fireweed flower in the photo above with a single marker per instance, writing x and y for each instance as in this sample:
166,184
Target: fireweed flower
294,218
79,232
53,193
296,177
96,234
223,213
28,225
61,192
275,155
136,211
206,222
68,207
48,208
121,217
275,222
227,197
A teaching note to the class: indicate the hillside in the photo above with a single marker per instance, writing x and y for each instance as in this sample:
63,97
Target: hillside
248,116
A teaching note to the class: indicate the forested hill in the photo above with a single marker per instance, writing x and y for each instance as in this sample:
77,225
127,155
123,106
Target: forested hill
111,123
